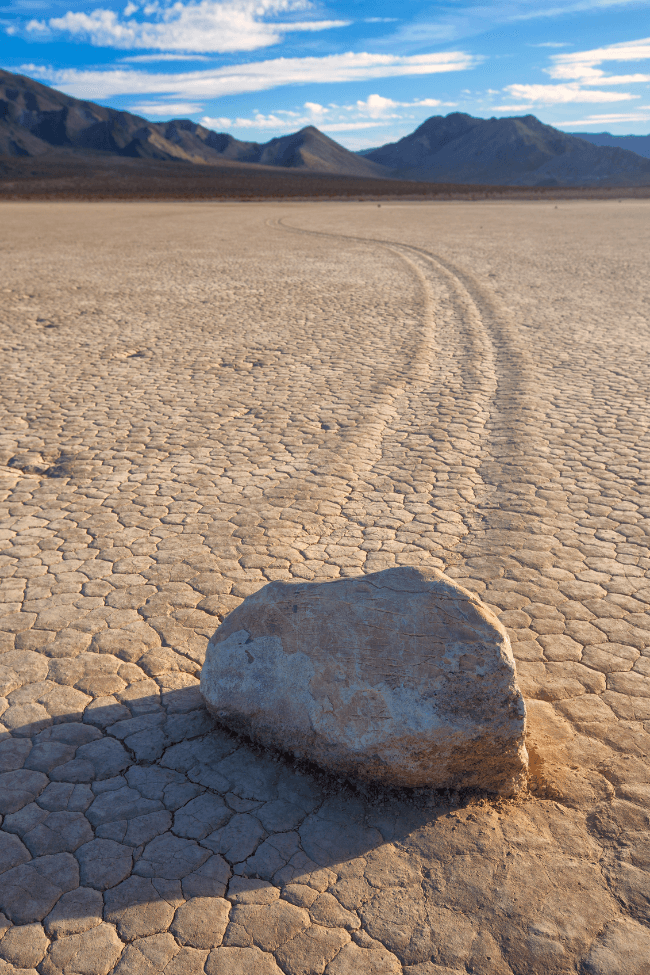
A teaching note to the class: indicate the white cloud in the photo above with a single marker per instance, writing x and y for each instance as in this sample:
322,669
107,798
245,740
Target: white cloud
612,119
374,111
579,70
350,126
378,107
260,121
197,25
315,109
559,95
172,109
257,76
552,44
583,66
216,123
146,58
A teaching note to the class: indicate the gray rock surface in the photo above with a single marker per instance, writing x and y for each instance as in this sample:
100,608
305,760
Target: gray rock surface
401,676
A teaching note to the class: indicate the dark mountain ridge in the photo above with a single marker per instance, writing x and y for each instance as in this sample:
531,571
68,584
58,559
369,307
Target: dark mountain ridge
635,143
517,151
36,120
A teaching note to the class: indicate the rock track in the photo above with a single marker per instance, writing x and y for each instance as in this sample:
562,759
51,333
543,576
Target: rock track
199,399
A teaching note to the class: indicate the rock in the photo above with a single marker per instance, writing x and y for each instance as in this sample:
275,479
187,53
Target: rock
623,948
400,676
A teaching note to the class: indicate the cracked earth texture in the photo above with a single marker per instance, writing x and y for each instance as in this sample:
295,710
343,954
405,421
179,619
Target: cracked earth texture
197,399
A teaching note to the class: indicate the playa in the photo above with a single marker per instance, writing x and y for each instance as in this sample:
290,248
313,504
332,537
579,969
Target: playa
201,398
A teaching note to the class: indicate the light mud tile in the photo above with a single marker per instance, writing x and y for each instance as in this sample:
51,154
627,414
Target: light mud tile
353,960
528,650
104,711
241,961
626,707
548,625
17,622
642,666
592,681
244,890
266,926
299,894
640,620
610,657
24,720
619,631
96,951
309,952
559,647
631,683
201,922
75,912
328,912
24,946
137,909
147,956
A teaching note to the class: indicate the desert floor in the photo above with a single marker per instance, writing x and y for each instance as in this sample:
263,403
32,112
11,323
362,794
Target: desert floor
199,398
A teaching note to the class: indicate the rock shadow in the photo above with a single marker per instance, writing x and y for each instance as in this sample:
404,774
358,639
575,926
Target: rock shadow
124,811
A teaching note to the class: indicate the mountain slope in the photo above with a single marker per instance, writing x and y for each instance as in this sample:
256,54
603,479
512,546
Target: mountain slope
635,143
507,151
36,120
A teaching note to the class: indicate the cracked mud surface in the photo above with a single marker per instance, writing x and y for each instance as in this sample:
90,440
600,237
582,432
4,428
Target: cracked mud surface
198,399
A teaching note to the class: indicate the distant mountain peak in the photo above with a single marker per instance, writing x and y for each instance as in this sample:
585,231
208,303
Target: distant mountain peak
36,121
517,150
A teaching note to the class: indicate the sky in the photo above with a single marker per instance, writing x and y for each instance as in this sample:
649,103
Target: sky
366,73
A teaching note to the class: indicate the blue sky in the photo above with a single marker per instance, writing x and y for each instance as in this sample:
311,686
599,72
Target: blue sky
364,72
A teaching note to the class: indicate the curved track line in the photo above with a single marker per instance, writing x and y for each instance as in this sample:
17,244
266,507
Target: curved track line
496,359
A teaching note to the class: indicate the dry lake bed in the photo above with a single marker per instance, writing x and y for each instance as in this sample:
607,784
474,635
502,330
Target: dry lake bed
200,398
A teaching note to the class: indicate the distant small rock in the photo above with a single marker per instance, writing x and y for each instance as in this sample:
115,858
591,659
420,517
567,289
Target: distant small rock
401,676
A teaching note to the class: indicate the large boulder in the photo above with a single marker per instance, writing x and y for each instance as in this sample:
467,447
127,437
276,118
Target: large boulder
400,676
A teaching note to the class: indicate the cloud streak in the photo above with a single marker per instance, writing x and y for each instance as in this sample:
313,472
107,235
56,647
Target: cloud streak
561,95
578,71
615,118
204,26
258,76
584,66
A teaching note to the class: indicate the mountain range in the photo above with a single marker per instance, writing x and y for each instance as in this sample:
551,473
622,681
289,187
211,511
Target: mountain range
635,143
506,151
36,120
